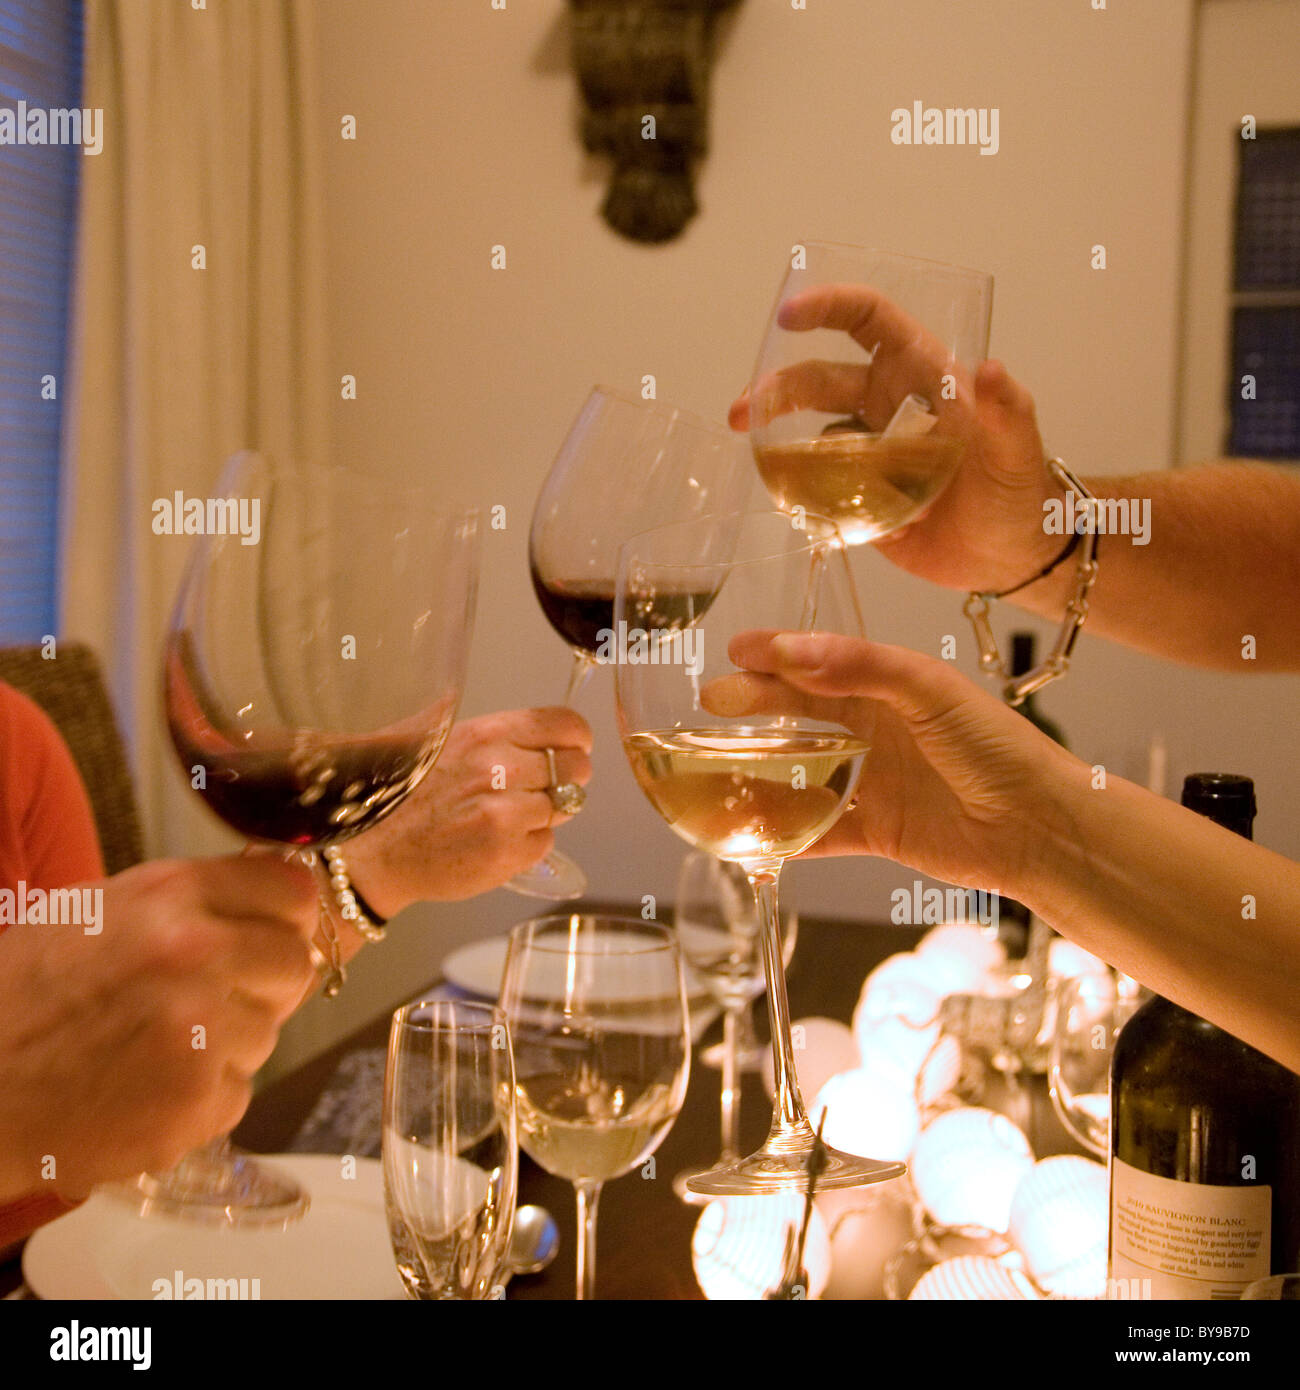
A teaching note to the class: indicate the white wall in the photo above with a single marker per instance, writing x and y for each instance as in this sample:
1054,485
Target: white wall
466,138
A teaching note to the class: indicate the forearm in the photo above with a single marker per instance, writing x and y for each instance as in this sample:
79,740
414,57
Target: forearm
1198,914
1221,565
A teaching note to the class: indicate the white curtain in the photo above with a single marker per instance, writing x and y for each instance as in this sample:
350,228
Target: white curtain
211,158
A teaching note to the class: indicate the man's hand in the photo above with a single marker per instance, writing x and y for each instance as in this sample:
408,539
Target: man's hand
985,531
479,817
122,1051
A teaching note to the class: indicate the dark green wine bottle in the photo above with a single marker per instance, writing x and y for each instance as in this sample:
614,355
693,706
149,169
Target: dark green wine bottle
1013,917
1205,1137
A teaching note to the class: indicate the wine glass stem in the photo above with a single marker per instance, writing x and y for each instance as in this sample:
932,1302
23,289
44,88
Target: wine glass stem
588,1194
583,661
730,1085
789,1118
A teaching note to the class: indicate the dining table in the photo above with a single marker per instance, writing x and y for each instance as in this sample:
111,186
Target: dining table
645,1229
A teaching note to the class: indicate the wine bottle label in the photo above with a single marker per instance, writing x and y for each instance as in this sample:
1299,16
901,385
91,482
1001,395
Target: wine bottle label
1191,1240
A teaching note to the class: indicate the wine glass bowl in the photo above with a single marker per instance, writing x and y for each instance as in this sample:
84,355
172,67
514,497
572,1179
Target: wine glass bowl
450,1148
860,401
311,671
1091,1010
597,1010
733,767
625,464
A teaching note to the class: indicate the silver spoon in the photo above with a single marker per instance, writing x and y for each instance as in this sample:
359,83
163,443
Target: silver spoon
534,1241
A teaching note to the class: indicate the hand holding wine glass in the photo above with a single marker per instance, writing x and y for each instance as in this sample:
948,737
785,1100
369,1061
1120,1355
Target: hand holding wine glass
854,335
312,669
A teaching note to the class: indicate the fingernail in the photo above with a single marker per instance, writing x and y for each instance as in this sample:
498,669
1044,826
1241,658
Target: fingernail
797,649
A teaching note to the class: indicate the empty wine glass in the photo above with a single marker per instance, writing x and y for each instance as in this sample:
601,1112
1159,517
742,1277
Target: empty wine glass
718,929
1091,1010
312,668
450,1155
601,1033
755,787
862,396
625,464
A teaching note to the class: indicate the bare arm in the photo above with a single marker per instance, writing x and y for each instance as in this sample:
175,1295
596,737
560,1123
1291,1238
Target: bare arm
1221,565
1223,558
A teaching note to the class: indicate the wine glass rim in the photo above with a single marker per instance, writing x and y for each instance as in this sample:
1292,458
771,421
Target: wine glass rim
830,534
382,484
927,261
487,1015
666,408
533,930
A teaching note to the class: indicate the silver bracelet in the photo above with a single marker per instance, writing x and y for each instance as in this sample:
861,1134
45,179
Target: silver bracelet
364,919
1015,690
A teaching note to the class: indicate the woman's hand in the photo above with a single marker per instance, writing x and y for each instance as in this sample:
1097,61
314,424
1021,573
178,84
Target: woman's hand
957,785
479,817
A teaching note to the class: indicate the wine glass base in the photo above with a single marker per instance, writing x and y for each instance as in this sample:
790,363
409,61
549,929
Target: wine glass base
767,1172
557,878
216,1190
682,1186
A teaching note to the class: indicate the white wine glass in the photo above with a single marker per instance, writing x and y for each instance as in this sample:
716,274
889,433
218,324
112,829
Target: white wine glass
862,396
625,464
1090,1012
755,787
598,1017
450,1148
717,926
312,668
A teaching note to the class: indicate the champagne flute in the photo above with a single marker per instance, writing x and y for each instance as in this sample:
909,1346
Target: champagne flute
625,464
450,1148
312,669
598,1016
718,930
862,396
756,788
1091,1009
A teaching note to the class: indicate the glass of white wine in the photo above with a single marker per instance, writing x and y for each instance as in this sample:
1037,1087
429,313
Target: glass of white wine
1090,1012
601,1033
861,399
732,761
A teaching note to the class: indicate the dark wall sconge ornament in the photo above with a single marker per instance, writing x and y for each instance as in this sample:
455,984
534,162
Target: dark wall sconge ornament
643,69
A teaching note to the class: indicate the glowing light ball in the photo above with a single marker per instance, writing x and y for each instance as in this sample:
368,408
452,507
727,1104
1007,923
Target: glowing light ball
902,986
867,1114
822,1047
868,1226
972,1277
739,1244
1067,961
1059,1220
940,1072
966,1166
960,955
893,1044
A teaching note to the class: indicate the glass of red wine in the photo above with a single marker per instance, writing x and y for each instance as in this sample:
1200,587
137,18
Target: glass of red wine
625,465
312,669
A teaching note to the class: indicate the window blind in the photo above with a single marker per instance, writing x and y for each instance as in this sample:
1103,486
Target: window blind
40,64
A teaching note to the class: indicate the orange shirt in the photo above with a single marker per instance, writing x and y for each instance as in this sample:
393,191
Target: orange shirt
47,840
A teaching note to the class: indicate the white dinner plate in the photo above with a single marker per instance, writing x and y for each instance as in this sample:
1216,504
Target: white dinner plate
339,1250
478,968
